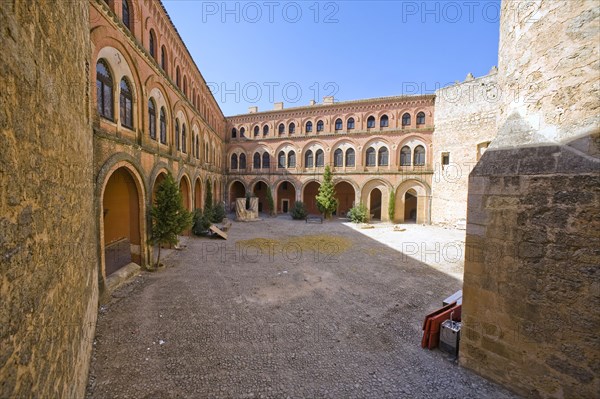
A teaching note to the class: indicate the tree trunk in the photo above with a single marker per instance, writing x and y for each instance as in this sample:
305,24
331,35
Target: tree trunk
158,258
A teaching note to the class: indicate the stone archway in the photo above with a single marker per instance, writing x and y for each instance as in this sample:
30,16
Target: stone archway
410,206
345,195
198,194
286,196
121,221
260,191
236,190
375,203
412,202
309,197
184,189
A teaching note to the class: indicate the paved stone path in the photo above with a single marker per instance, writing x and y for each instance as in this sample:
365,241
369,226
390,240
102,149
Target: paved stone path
220,322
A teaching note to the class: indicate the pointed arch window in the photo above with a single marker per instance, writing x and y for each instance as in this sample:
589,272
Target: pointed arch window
309,127
152,43
339,125
183,139
281,128
292,128
256,161
266,160
104,91
405,156
126,104
291,159
126,14
256,131
419,155
320,126
234,161
308,159
406,119
384,121
243,161
233,133
319,158
338,158
383,158
177,135
350,124
371,156
242,132
163,58
178,77
163,126
370,122
350,157
197,147
152,118
421,118
265,130
281,160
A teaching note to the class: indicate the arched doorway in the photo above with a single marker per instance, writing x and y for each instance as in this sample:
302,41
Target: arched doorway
345,195
121,221
375,204
310,192
237,190
286,196
410,206
260,191
184,189
198,194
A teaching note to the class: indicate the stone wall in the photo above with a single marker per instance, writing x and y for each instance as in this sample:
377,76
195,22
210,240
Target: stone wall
48,267
532,282
465,122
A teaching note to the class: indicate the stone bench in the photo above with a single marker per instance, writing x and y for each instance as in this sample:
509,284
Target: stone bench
314,219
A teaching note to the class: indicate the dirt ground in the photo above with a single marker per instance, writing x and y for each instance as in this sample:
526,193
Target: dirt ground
287,309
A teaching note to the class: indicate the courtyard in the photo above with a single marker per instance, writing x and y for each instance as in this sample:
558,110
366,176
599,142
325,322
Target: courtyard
287,309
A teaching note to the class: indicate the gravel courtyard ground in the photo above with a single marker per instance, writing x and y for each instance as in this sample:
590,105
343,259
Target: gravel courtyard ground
287,309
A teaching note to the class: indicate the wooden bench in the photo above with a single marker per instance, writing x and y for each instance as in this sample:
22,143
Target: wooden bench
314,219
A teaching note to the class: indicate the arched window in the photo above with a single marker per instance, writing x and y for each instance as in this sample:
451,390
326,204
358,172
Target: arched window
338,158
125,15
163,58
406,119
233,133
370,122
152,118
350,157
185,86
405,156
308,159
281,160
104,91
234,162
256,161
319,126
242,161
242,132
197,147
177,141
292,128
371,156
308,127
266,164
339,125
421,118
281,128
420,155
265,130
163,126
152,44
383,156
350,124
126,104
183,139
384,121
320,158
178,77
291,159
256,131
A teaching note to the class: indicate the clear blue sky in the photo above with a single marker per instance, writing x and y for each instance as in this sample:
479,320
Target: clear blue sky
268,51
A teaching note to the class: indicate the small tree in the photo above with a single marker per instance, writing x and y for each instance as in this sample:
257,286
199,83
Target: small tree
299,211
169,217
326,201
208,202
270,202
358,214
392,205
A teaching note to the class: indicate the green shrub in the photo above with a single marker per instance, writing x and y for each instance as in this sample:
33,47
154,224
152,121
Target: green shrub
299,211
392,206
358,214
270,202
218,213
201,222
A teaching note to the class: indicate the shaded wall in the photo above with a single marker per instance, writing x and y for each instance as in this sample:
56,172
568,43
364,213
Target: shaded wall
48,236
532,282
